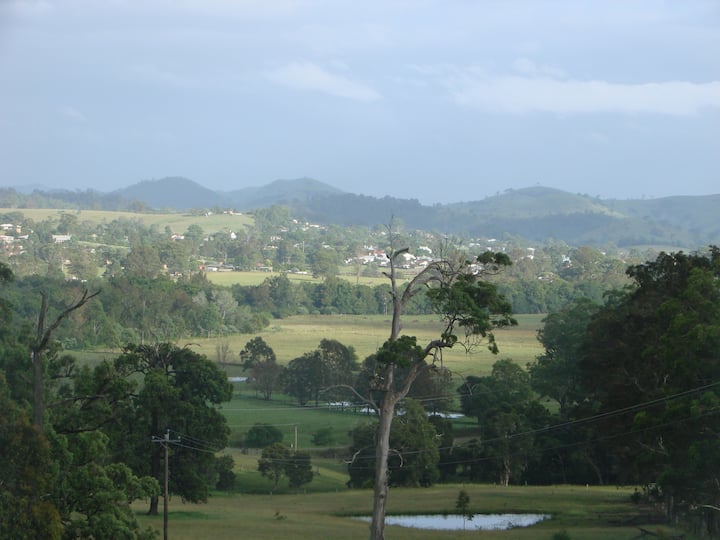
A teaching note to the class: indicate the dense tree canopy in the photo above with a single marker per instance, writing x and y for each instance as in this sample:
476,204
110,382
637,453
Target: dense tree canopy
507,413
265,373
59,480
556,373
327,371
278,461
180,391
27,473
652,353
414,454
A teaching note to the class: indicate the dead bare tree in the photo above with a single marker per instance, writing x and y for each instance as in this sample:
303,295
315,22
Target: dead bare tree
40,346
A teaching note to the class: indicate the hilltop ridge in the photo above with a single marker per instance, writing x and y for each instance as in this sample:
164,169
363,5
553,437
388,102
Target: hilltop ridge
536,213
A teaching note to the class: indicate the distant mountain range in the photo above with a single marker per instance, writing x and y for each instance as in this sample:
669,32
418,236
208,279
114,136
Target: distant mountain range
183,194
537,213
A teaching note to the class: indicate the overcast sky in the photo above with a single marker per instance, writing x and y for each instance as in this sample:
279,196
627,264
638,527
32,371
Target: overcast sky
438,100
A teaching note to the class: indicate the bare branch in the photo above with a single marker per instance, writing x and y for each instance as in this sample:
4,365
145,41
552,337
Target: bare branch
367,400
415,369
398,454
356,454
44,334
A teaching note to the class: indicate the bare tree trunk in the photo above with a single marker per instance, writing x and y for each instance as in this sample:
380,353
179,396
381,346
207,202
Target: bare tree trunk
595,467
382,450
505,475
36,357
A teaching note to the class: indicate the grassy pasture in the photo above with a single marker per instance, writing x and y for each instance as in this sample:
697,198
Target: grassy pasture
227,279
596,513
290,337
252,278
282,412
178,222
293,336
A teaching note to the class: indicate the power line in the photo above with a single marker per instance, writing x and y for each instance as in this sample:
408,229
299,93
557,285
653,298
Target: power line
193,443
591,419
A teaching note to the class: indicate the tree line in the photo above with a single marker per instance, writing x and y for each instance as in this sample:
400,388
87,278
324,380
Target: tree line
77,441
627,391
139,309
542,278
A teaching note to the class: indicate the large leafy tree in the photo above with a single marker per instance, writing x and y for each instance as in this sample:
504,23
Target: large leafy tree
507,412
27,473
651,367
415,455
303,378
469,307
326,370
274,461
339,365
93,494
556,372
299,469
415,450
180,391
262,435
260,359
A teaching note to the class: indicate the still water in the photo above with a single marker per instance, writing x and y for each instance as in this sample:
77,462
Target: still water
451,522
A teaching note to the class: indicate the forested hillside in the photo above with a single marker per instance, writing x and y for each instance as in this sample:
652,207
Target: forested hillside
535,214
154,278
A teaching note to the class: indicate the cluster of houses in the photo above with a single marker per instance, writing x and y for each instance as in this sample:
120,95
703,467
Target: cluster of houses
372,255
12,243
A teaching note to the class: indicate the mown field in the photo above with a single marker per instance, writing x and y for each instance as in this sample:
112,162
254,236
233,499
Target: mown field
293,336
596,513
249,278
177,221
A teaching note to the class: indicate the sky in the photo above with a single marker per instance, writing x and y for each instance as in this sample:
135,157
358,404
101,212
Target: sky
436,100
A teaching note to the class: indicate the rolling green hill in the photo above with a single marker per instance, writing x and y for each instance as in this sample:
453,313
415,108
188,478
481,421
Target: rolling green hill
535,213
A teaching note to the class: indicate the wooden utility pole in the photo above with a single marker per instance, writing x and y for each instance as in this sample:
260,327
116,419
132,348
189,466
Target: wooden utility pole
166,442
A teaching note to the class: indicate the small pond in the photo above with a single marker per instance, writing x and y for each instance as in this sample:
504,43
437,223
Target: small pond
451,522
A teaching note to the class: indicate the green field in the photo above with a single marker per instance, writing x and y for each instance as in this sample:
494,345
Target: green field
598,513
293,336
282,412
227,279
178,222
